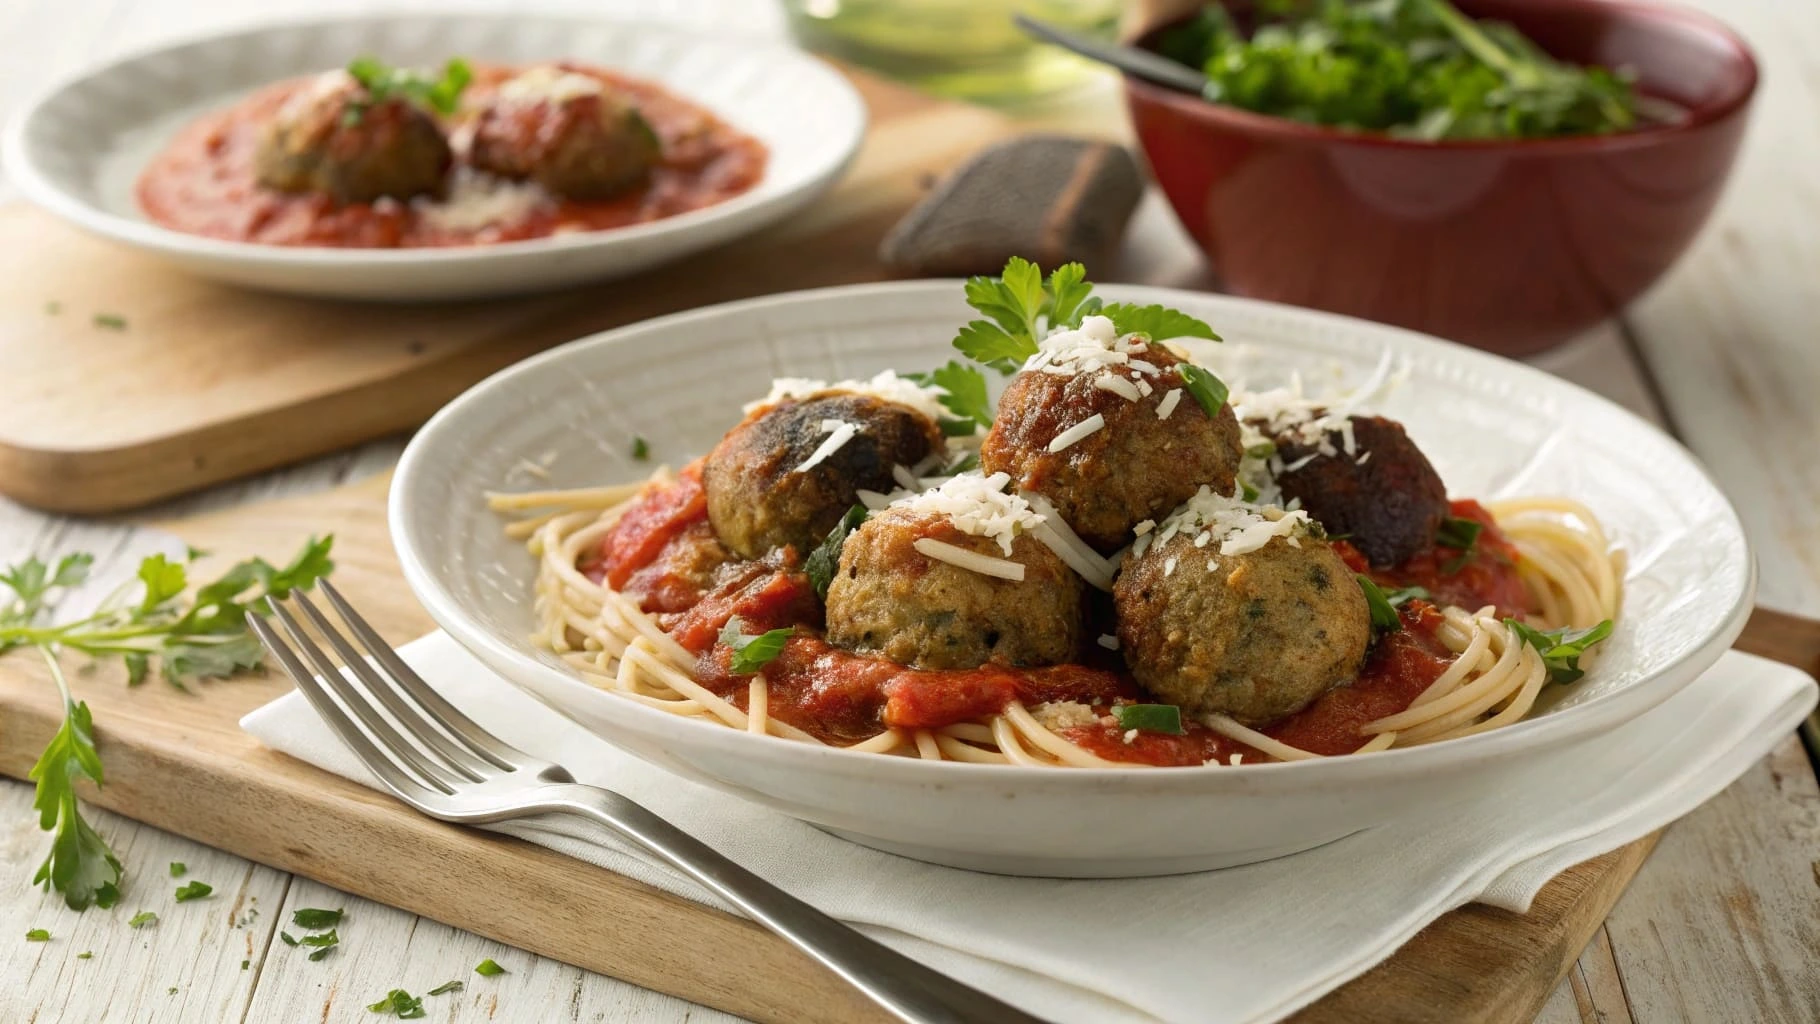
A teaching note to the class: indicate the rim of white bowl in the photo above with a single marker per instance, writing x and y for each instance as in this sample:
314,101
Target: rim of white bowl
42,190
1529,736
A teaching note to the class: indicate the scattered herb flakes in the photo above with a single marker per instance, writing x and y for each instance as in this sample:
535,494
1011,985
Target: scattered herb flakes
193,890
487,968
447,986
37,935
179,869
246,964
1561,649
1384,617
171,991
289,939
142,919
824,561
641,449
1458,533
53,307
111,321
85,955
751,653
323,944
1165,718
1209,391
1398,597
400,1004
315,919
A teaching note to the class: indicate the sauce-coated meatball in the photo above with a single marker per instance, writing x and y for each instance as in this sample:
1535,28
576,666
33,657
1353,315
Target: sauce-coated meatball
1136,467
892,600
331,138
1386,498
757,498
567,132
1257,637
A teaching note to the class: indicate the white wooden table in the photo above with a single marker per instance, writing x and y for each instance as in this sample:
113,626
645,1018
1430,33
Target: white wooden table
1722,924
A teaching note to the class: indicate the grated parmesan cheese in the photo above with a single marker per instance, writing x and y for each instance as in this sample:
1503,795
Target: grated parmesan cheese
477,200
548,83
1094,345
886,386
1168,404
1239,526
1064,714
905,479
839,433
1108,641
1118,386
985,565
1078,432
978,506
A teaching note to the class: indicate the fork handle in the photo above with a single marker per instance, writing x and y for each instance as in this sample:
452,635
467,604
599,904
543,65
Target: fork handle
908,990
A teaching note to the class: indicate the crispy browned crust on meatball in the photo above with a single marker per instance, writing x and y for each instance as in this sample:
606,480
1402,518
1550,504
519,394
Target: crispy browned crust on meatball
1136,467
892,600
1259,637
583,147
1389,507
339,144
758,502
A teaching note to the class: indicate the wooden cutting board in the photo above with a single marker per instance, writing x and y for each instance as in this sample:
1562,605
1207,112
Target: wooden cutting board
179,762
207,382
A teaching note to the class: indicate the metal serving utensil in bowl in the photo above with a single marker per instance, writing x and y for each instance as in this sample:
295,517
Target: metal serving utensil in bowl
437,760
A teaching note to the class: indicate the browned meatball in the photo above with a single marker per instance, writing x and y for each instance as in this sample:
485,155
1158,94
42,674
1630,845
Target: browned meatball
1136,467
330,138
890,599
1257,637
566,131
1386,499
758,500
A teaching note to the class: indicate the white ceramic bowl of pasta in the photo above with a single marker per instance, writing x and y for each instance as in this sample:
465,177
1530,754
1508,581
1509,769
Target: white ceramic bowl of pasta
1493,428
78,148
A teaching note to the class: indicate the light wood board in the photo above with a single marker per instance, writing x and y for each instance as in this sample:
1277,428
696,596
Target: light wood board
180,763
208,382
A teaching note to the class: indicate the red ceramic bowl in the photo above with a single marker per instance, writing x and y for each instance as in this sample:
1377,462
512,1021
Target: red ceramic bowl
1512,246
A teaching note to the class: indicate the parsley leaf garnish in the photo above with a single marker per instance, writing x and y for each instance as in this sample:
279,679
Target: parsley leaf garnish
383,82
1458,533
85,954
1562,648
1398,597
447,986
1150,718
487,968
179,869
1157,322
193,890
111,321
964,395
1207,389
323,944
141,919
144,623
400,1004
1019,308
824,561
751,653
1384,617
314,919
641,450
38,935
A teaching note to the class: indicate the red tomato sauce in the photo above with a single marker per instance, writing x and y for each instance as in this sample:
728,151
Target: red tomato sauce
663,546
205,181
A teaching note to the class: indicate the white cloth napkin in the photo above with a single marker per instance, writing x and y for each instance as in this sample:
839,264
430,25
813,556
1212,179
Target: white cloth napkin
1245,944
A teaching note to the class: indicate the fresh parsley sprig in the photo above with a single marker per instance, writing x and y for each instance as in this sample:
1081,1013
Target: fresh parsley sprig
145,623
824,561
384,82
1562,648
963,394
751,653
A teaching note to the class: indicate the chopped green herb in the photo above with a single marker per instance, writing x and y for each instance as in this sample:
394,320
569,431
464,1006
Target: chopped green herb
963,394
1397,597
1247,492
487,968
178,869
314,919
321,953
1562,648
964,464
1019,307
193,890
1413,68
400,1004
1384,617
85,955
207,637
1151,718
384,82
53,307
1261,450
142,919
245,964
1207,389
1157,322
289,939
111,321
824,561
37,935
640,449
447,986
751,653
171,991
1456,532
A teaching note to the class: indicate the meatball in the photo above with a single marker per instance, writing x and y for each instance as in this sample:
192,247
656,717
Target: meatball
1386,498
565,131
1257,637
890,599
760,499
1138,466
331,138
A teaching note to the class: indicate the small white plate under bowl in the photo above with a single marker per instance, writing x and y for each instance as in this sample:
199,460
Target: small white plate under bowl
79,148
1491,426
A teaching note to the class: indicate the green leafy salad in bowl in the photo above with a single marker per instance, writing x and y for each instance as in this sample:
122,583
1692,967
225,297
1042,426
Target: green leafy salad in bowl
1416,69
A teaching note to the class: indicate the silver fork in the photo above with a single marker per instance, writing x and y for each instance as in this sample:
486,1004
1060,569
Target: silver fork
437,760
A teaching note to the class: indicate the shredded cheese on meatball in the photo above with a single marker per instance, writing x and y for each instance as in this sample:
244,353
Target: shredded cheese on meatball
1239,527
887,386
1093,346
839,433
978,506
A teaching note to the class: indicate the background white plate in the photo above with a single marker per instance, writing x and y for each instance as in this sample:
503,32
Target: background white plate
1493,427
78,149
